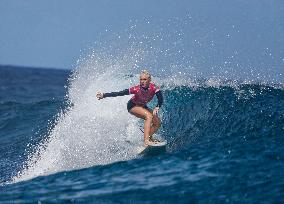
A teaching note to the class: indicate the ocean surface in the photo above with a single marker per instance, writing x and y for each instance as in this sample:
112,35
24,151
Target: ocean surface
59,144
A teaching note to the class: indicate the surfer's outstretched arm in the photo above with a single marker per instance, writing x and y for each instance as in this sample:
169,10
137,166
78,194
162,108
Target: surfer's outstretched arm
112,94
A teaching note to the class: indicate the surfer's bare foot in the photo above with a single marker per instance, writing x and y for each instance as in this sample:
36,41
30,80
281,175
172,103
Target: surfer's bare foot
148,142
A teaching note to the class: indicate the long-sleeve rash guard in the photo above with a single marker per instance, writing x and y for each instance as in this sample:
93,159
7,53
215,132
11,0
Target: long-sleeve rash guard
141,95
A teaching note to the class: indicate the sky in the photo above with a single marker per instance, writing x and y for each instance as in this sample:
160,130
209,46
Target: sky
52,33
242,34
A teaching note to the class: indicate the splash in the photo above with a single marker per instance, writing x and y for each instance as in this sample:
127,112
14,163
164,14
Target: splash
90,132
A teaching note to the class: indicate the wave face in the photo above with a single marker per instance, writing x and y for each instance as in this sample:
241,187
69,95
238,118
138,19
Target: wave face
224,114
225,140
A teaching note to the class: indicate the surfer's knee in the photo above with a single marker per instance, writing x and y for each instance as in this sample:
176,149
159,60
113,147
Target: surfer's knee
148,116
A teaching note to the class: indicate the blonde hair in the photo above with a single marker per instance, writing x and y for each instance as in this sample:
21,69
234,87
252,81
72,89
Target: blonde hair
146,73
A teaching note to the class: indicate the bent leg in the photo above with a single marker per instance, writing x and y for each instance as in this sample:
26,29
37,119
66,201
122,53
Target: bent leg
156,123
145,114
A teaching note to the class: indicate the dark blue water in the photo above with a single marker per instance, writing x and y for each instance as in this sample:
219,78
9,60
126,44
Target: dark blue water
29,98
225,145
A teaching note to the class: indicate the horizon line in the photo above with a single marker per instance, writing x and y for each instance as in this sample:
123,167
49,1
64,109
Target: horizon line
33,67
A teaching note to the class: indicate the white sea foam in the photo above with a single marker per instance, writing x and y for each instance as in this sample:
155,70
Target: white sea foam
91,132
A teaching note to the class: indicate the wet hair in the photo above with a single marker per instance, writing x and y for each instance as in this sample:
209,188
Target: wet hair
146,73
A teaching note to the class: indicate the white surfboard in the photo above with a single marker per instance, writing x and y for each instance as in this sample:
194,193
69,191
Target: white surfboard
154,149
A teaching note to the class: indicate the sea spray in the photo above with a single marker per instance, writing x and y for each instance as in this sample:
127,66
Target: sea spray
90,131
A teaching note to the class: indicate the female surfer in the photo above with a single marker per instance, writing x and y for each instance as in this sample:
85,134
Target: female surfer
137,105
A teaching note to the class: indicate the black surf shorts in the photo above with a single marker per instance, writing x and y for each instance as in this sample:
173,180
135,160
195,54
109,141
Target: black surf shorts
130,105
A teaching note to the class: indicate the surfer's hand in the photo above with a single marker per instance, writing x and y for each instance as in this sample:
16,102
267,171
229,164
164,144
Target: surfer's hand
100,95
156,110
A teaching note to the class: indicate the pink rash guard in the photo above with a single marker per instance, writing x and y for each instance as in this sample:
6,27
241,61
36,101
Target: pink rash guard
143,96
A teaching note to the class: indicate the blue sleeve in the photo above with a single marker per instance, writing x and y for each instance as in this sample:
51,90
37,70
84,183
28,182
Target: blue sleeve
119,93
